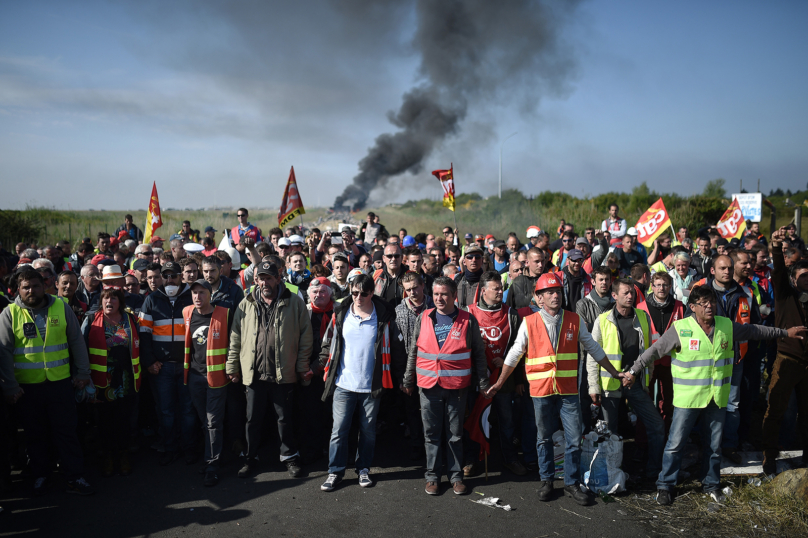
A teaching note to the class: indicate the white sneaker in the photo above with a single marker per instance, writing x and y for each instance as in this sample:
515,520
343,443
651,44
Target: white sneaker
364,478
331,482
718,496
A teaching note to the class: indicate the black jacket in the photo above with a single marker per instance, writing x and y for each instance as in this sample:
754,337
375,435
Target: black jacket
158,307
520,292
388,288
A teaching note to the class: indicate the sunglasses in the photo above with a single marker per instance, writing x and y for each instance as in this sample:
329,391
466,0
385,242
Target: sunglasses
360,293
392,256
473,256
241,215
446,232
283,246
566,240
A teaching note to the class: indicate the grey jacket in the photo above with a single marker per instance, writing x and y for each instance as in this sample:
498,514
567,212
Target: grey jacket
80,361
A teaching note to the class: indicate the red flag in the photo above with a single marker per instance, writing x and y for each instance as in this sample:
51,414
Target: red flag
652,223
477,424
731,225
446,178
291,205
154,218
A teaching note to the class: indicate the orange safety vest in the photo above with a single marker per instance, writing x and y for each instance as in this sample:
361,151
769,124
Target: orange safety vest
552,371
448,366
678,313
98,352
218,344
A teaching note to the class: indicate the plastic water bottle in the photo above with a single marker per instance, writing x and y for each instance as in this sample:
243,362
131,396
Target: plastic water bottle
595,409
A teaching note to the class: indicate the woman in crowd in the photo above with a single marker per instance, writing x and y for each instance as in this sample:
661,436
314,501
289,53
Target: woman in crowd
682,276
66,285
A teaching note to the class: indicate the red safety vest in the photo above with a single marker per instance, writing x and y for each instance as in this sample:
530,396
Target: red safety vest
218,343
552,371
678,313
639,295
251,231
495,328
448,366
98,352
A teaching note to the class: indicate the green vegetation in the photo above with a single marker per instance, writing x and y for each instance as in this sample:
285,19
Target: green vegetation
475,214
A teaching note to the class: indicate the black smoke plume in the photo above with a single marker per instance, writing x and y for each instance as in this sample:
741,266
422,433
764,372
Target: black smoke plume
473,53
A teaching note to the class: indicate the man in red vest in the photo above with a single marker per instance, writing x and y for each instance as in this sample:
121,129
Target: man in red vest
448,349
206,344
244,228
549,340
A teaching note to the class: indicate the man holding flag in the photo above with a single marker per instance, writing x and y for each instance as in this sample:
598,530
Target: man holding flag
291,204
154,218
498,327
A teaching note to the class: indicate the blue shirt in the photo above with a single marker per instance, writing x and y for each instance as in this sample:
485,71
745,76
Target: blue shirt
358,352
500,266
443,325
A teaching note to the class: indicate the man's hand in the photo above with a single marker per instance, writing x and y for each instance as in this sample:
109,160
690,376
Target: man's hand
235,378
779,236
595,398
155,368
795,332
80,383
308,375
519,389
497,362
406,390
628,378
12,398
492,391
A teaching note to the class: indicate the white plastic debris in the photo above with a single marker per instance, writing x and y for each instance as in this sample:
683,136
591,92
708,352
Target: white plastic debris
493,502
727,491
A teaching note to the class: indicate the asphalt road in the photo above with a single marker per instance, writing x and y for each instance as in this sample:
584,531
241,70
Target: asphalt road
171,501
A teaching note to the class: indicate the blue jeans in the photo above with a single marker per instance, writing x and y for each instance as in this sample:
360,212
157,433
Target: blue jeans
175,399
712,424
345,403
552,412
442,411
644,407
733,420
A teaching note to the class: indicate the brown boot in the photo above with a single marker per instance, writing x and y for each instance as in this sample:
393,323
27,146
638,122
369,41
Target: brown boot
126,465
107,465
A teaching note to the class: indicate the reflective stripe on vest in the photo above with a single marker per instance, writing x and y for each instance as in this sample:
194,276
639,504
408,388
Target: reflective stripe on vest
35,360
217,346
611,346
552,370
702,370
450,365
98,352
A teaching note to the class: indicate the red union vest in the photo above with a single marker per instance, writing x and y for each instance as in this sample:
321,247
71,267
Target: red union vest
450,365
251,231
678,313
98,352
495,328
552,371
218,343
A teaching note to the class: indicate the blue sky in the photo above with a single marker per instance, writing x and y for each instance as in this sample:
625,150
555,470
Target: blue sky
215,101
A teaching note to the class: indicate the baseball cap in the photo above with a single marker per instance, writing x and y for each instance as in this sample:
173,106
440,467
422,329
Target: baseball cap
468,236
489,236
170,267
156,239
140,265
408,241
581,241
632,231
175,236
210,229
575,254
101,259
533,231
473,249
497,243
267,268
479,237
284,242
296,240
204,283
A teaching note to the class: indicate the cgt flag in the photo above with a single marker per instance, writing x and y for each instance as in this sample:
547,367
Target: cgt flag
732,225
652,223
477,424
291,205
446,178
154,218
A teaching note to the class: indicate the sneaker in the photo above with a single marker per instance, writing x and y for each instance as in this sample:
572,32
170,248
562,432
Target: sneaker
211,479
364,478
577,495
40,486
516,468
431,488
80,487
459,488
294,468
190,456
332,481
545,490
732,455
247,469
663,497
718,496
472,469
168,457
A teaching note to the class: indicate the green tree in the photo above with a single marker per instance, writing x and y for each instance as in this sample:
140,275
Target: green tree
715,189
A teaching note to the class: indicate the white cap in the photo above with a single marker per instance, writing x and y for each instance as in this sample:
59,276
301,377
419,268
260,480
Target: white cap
284,241
632,231
296,239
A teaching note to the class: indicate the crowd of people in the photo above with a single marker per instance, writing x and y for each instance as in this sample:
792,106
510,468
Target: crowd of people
332,337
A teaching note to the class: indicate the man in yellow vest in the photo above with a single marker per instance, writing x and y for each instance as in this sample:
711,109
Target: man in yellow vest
702,353
549,340
39,334
624,333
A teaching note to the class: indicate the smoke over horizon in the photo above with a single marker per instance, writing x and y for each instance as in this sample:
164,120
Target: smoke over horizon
473,53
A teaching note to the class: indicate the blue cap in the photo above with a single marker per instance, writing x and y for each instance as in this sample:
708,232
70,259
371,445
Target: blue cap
408,241
175,236
210,229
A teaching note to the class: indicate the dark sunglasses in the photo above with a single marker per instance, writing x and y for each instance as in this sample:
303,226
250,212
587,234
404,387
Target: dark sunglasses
392,256
445,232
473,256
360,293
283,246
566,240
241,215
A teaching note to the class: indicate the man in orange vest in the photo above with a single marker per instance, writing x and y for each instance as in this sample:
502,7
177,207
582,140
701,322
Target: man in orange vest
549,340
206,344
448,349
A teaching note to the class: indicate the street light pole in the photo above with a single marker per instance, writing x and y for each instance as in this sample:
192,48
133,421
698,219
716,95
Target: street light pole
500,162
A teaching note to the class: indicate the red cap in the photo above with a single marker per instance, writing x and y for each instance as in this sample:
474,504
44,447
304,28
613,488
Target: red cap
97,258
113,241
156,238
548,281
122,235
489,236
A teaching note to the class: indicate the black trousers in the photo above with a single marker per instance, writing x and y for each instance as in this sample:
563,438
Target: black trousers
48,410
311,418
259,395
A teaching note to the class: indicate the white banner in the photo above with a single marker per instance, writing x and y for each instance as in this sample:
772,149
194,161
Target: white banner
751,205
